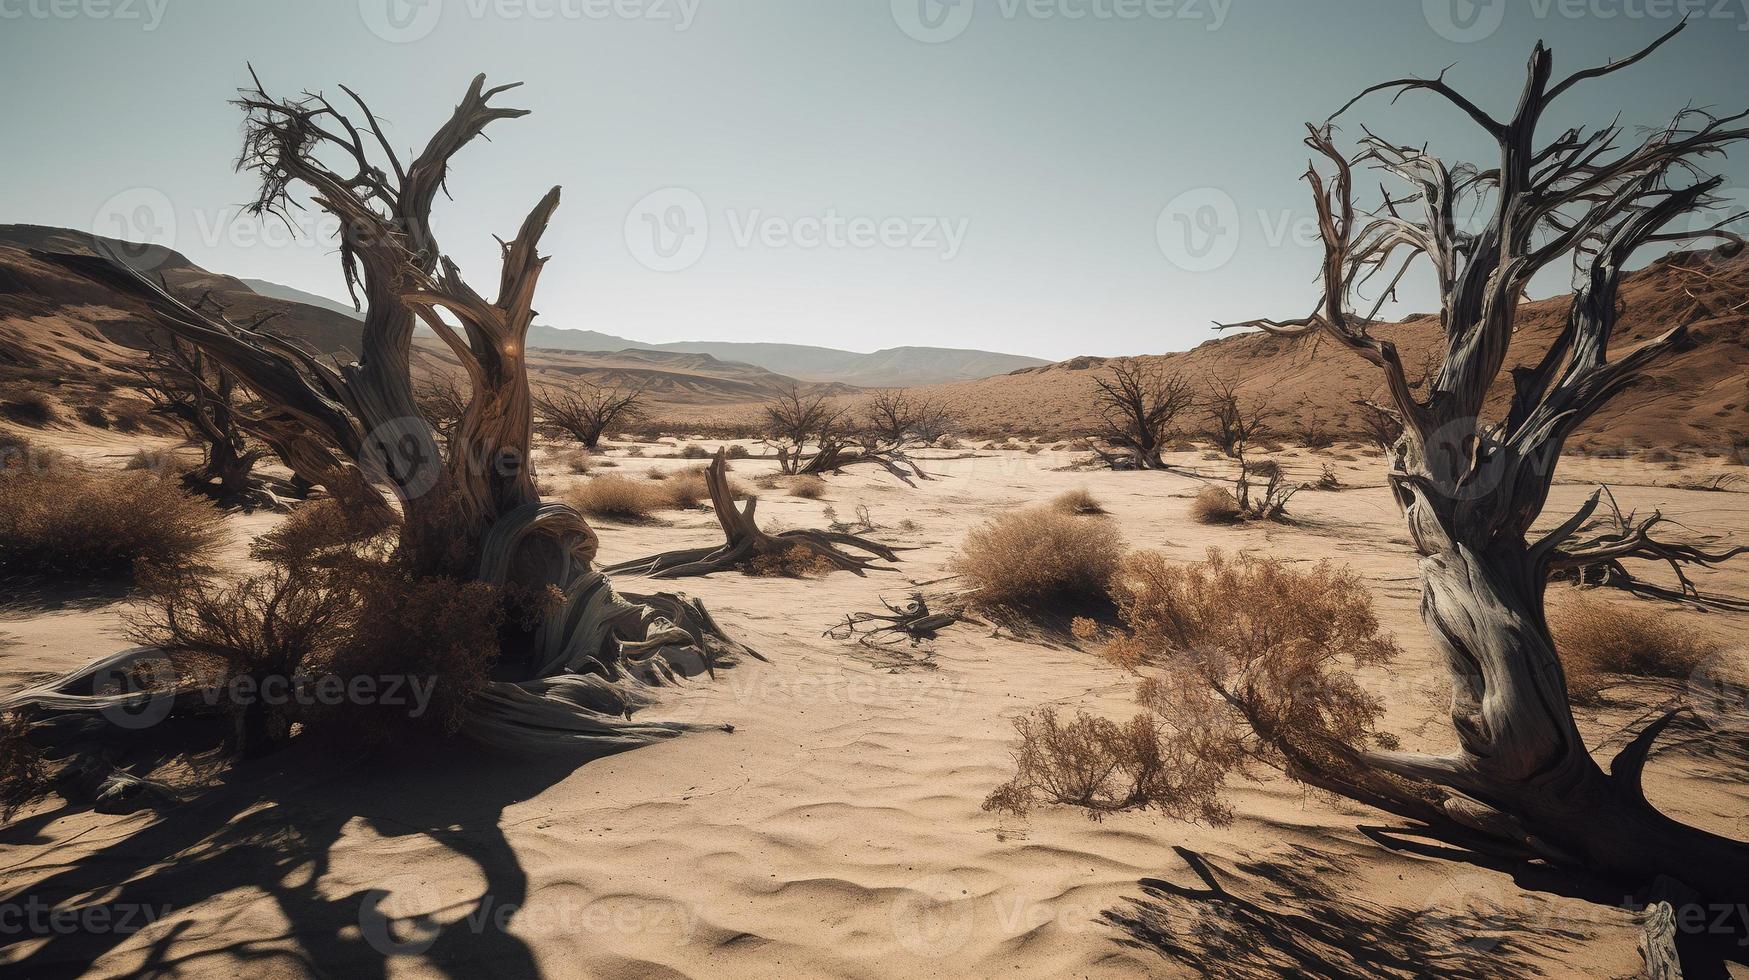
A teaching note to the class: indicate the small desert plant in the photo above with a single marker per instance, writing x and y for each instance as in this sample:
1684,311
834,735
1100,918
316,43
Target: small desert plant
807,487
1215,505
32,408
577,461
93,415
695,451
634,451
1328,480
128,417
619,498
1038,557
1079,502
738,451
688,488
1244,663
1598,639
794,562
24,771
64,520
155,461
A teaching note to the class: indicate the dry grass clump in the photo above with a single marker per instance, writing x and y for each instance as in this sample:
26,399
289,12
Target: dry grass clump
1215,505
60,519
1038,557
32,408
1599,640
576,461
695,451
154,461
93,415
738,451
1244,663
619,498
24,771
688,488
794,562
1079,502
807,487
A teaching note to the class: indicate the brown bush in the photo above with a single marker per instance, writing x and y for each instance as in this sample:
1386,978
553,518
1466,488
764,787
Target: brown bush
155,461
336,609
24,772
32,408
807,487
1600,640
794,562
1079,502
93,415
619,498
576,461
1245,662
62,519
1215,505
695,451
1104,767
688,488
1038,557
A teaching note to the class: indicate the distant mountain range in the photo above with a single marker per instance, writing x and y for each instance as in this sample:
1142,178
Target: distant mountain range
892,367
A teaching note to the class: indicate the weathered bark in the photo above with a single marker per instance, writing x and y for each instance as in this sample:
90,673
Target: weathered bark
1470,490
746,542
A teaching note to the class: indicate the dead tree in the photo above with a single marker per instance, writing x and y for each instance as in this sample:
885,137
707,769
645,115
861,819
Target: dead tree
202,397
745,543
1595,556
584,410
1233,420
811,434
1138,403
898,418
465,503
1521,779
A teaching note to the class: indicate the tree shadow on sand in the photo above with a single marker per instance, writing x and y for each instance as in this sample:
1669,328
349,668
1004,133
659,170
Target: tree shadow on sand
270,827
1288,916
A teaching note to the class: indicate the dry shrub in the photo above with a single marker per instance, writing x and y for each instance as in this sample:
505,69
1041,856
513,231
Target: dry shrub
688,488
1264,468
657,475
1034,450
695,451
738,451
1599,640
1039,557
93,415
619,498
16,450
32,408
797,561
335,610
1244,662
129,416
24,772
154,461
1079,502
1215,505
1104,767
60,519
576,461
807,487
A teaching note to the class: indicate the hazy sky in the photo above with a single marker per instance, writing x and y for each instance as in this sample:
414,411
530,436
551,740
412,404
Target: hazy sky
1015,175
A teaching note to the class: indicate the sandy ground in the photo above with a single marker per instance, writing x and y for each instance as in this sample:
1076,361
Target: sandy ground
838,830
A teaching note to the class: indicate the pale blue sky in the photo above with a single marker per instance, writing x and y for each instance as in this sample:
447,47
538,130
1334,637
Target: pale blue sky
1046,147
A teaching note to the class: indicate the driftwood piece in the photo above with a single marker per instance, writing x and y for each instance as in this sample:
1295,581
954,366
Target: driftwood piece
911,622
1594,556
746,542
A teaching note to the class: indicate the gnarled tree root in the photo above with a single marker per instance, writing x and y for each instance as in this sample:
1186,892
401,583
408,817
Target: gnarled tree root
745,541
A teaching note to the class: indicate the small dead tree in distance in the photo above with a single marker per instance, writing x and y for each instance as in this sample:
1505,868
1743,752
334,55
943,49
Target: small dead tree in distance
1138,402
811,433
1521,777
584,410
1233,420
201,396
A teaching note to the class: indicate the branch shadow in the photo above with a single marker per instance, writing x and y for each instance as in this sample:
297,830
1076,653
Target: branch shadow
1288,916
271,827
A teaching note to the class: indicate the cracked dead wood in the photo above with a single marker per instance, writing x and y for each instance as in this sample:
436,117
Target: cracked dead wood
745,542
912,622
1520,775
1598,548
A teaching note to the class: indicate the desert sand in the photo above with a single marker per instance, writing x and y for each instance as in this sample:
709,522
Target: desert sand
837,830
